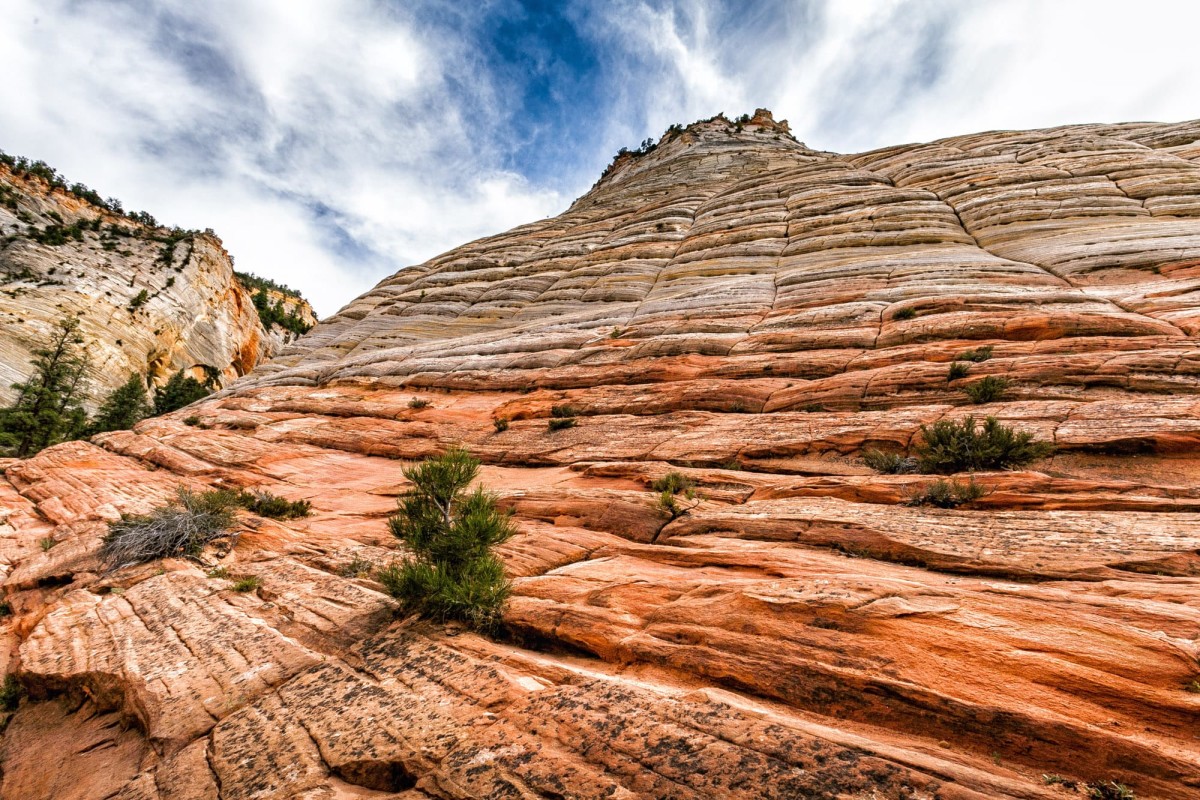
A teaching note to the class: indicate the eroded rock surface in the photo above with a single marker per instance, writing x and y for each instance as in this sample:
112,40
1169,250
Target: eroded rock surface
749,312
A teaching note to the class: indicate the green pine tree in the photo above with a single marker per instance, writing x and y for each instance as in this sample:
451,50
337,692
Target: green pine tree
48,408
123,407
451,573
181,390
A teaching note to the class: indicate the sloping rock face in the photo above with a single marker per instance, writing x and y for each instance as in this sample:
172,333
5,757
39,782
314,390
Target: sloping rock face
737,307
148,301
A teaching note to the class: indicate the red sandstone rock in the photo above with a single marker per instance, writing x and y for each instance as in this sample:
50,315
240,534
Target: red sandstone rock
732,306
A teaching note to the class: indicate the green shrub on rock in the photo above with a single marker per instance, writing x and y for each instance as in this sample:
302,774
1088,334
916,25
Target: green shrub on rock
888,463
452,573
265,504
986,390
947,447
947,494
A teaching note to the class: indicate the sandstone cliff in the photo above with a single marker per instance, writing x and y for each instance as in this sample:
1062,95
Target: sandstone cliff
150,299
738,307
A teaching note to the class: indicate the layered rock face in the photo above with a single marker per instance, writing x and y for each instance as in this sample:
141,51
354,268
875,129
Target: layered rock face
148,301
749,312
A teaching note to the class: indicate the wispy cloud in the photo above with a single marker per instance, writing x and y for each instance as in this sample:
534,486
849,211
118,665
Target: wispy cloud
331,142
857,75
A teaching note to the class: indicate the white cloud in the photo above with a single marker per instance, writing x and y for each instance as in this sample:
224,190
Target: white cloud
851,76
326,142
1023,64
331,142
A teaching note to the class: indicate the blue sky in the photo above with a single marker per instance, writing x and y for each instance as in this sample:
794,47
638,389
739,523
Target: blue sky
332,142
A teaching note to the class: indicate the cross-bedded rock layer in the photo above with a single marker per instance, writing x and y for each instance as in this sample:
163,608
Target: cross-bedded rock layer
737,307
149,300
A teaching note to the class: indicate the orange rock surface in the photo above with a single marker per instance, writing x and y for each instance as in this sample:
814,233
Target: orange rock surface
752,313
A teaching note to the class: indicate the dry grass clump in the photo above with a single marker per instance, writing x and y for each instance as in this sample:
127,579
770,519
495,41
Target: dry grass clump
181,528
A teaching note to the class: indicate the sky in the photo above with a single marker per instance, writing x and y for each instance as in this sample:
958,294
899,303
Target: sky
331,143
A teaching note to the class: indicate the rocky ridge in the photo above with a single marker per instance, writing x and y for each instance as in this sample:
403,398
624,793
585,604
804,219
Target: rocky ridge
740,308
150,299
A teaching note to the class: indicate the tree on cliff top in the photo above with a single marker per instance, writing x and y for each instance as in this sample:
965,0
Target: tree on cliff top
48,408
452,573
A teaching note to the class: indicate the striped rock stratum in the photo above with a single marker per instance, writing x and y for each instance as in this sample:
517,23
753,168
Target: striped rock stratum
741,308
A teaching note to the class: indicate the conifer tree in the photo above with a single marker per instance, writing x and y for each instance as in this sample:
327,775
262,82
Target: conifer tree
48,408
451,573
123,408
181,390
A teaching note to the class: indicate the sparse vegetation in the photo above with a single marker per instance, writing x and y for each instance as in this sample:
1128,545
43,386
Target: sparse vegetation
562,417
675,483
247,583
191,421
889,463
979,354
500,424
948,447
958,369
11,693
277,314
273,313
46,543
905,313
8,196
668,504
25,168
255,283
140,300
946,494
265,504
181,528
668,487
418,403
57,235
166,256
219,572
986,390
1109,790
1054,779
357,567
452,573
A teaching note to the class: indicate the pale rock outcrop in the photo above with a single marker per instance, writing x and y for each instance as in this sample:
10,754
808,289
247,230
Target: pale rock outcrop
195,314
